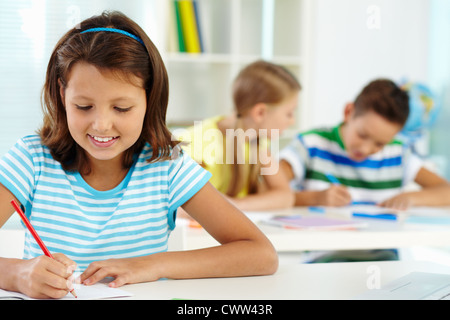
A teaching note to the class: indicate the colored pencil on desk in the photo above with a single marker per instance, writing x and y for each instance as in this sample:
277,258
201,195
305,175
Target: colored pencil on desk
35,235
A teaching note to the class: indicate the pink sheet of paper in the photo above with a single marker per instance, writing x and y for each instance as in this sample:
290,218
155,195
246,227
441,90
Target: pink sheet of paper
315,223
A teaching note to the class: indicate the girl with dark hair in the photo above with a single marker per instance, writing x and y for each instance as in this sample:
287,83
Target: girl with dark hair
101,182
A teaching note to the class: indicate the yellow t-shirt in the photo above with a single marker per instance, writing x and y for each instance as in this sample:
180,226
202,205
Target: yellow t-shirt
207,145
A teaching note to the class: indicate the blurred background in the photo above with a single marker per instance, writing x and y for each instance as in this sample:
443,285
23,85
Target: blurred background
334,47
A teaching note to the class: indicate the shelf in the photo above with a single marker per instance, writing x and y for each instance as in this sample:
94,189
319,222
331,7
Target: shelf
226,58
198,57
235,33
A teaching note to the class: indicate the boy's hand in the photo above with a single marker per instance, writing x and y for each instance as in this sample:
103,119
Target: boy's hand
335,196
43,277
401,202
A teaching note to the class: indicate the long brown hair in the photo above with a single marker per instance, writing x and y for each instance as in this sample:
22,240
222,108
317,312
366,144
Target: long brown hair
124,56
259,82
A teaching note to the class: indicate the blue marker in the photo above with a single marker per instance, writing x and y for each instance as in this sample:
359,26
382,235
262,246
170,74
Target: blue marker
383,216
332,178
369,203
317,209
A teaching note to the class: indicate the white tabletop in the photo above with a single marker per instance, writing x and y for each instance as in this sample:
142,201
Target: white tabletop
379,234
291,281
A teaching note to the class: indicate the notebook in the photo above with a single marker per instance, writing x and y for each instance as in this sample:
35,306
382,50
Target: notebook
413,286
314,223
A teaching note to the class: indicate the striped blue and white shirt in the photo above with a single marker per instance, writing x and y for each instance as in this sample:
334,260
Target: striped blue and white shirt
315,153
133,219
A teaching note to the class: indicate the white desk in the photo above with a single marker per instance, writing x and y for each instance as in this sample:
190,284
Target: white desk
291,281
380,234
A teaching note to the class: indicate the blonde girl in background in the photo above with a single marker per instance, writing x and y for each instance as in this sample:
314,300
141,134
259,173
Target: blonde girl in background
236,148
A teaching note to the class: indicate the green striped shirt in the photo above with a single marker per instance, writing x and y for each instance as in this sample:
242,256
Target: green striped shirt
316,153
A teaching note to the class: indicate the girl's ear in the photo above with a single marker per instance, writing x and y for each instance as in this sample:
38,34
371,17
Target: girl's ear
61,91
258,112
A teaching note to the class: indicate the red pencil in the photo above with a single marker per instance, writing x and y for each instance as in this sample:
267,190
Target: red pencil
35,235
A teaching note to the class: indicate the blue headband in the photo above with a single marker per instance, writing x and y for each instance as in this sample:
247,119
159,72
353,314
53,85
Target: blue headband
117,31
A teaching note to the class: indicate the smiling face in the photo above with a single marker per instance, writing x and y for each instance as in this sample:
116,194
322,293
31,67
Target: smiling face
105,113
366,134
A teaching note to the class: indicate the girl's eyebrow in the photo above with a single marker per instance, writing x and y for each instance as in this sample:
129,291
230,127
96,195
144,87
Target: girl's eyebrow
81,97
117,99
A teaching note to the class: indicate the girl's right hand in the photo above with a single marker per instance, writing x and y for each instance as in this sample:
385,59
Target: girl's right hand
43,277
335,196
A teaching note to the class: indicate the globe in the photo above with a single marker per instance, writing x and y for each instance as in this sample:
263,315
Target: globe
423,111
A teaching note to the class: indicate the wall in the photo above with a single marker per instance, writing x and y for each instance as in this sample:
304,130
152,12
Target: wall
439,80
355,41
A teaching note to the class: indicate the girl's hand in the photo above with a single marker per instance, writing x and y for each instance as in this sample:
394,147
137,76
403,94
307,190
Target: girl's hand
335,196
43,277
129,270
402,202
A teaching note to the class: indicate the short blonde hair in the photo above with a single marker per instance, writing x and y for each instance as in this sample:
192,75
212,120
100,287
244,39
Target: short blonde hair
258,82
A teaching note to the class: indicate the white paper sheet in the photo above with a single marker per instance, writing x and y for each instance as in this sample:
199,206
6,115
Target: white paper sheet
93,292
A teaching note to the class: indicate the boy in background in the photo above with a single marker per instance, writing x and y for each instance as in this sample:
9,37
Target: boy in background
369,164
359,160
